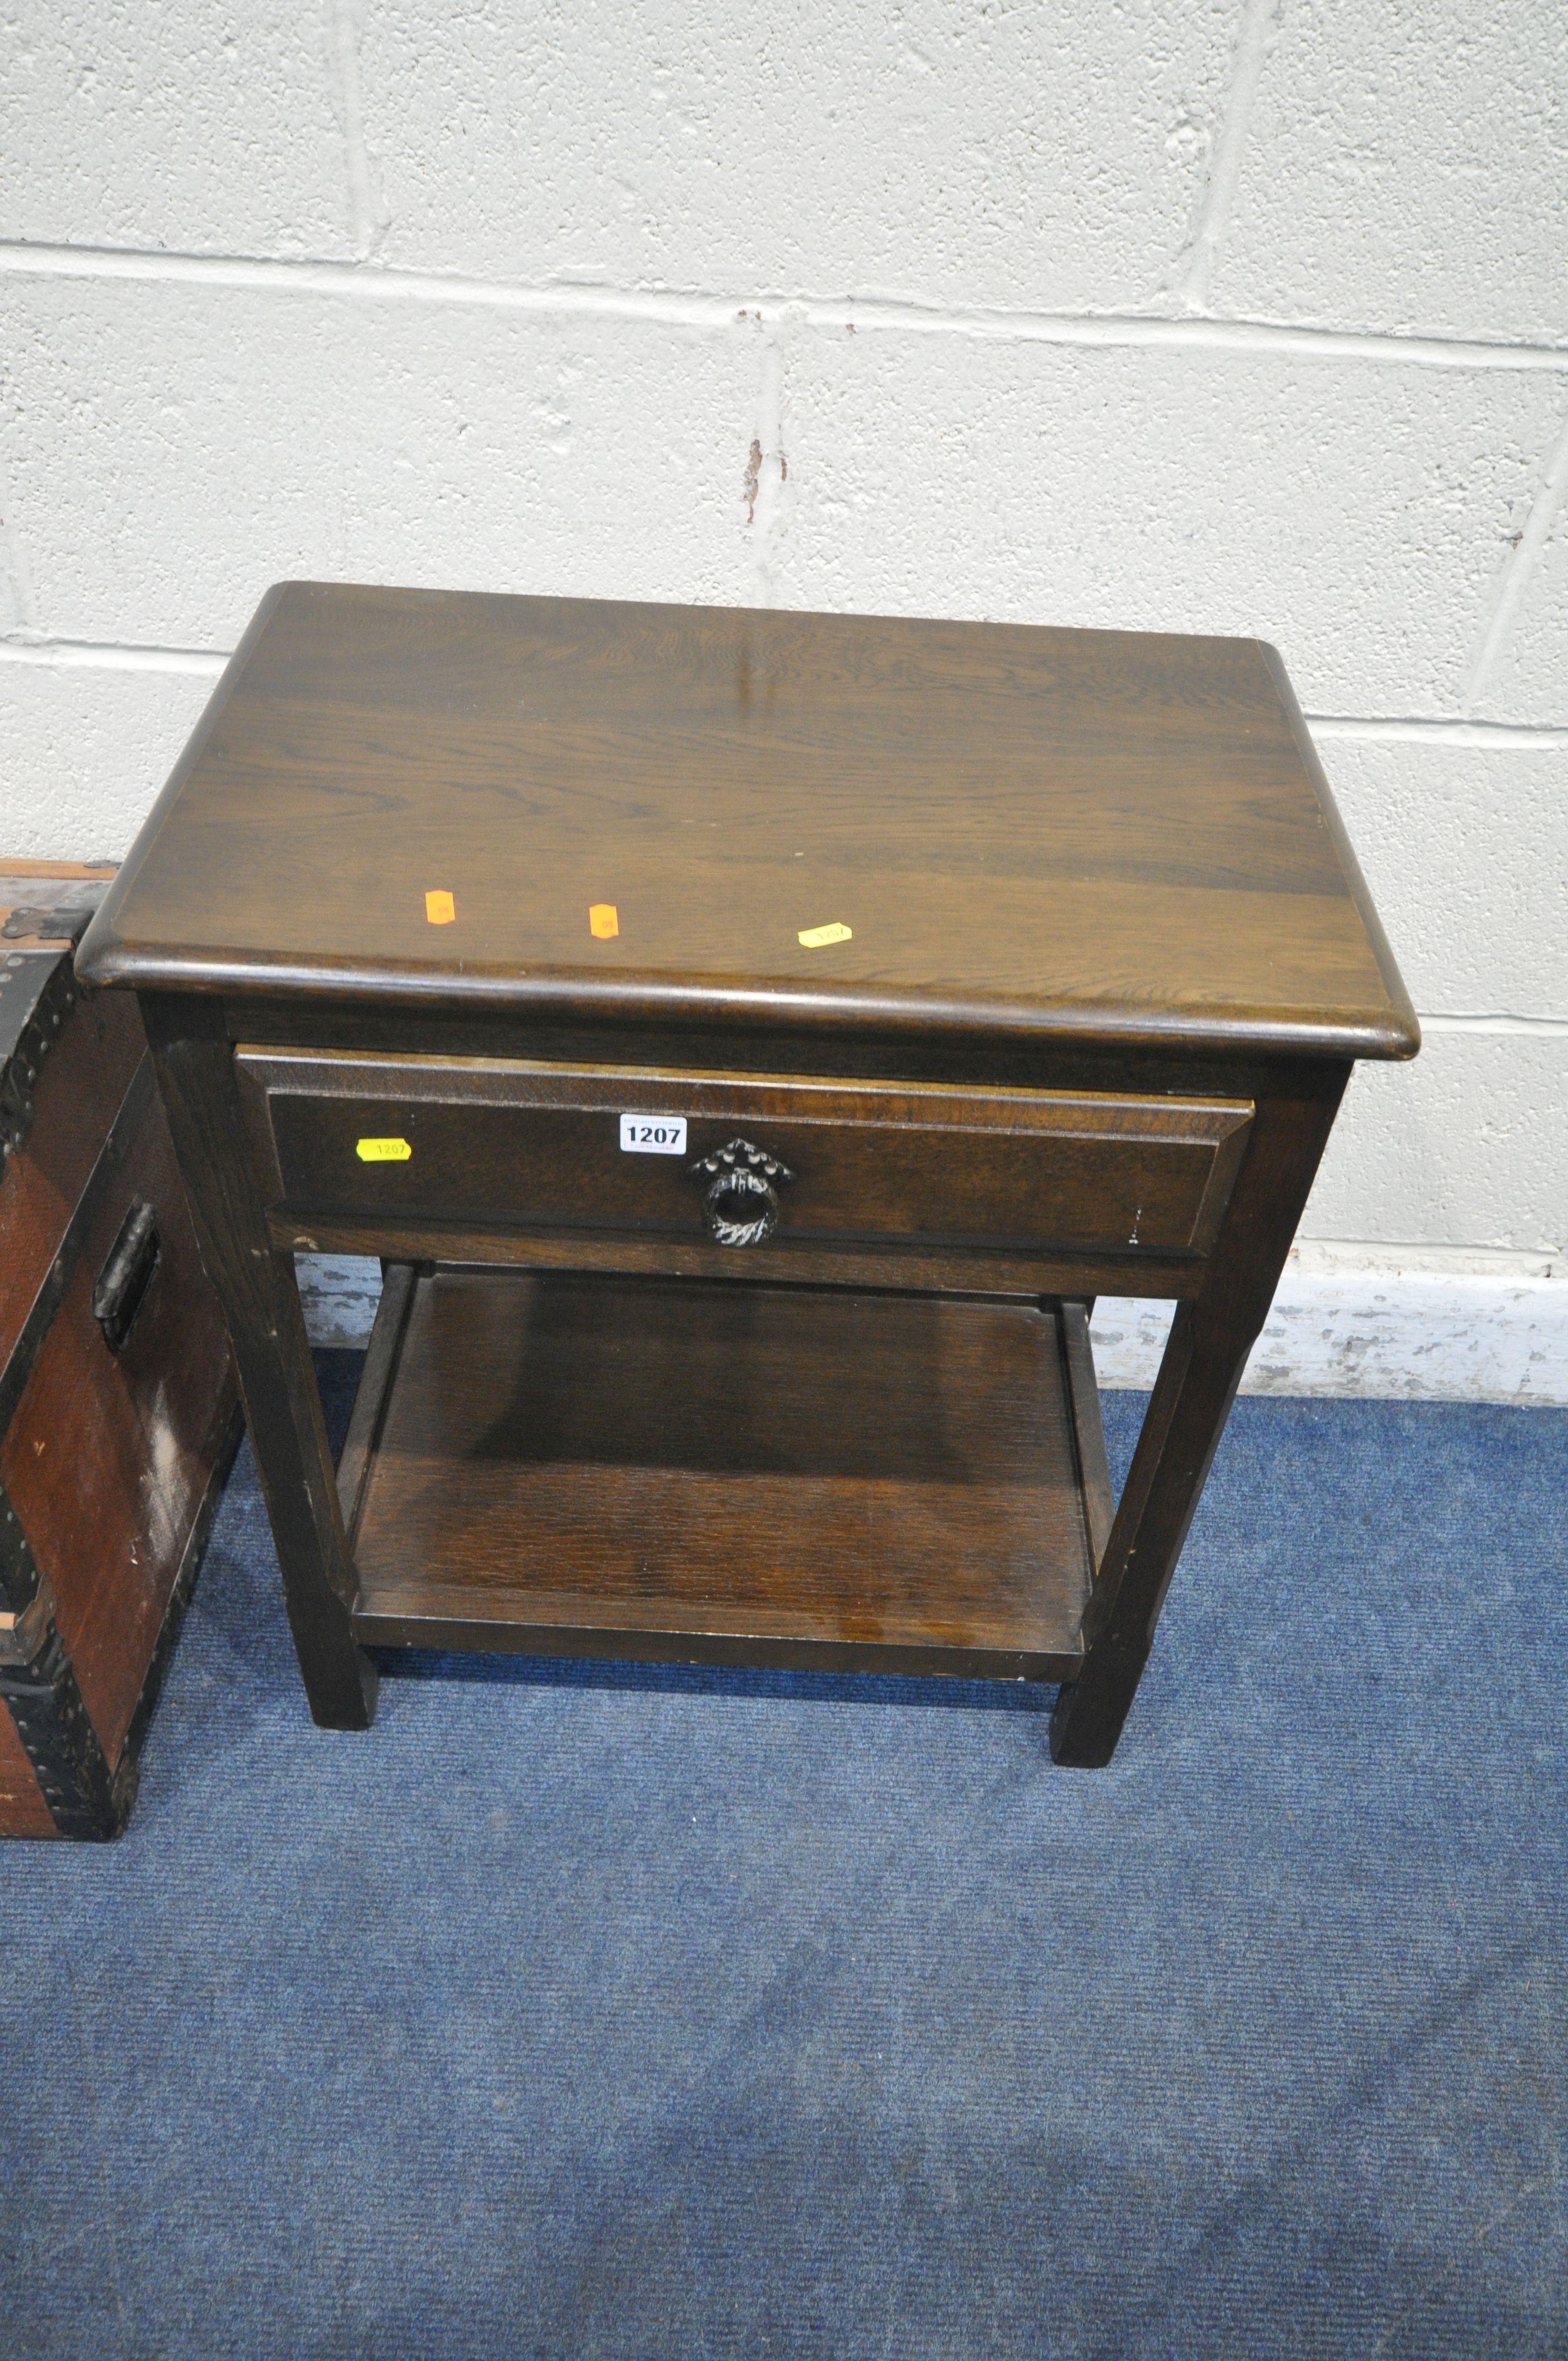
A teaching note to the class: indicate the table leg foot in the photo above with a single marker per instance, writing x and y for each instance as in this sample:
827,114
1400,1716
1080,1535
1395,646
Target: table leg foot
342,1693
1089,1715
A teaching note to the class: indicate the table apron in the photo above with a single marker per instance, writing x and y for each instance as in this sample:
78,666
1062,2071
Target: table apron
451,1158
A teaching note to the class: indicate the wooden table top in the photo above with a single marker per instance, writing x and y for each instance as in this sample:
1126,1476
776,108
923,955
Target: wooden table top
582,808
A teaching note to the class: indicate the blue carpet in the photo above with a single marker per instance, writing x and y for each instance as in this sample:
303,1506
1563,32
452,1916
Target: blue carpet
663,2014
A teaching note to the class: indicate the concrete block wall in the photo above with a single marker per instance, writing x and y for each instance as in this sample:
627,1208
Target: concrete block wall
1189,314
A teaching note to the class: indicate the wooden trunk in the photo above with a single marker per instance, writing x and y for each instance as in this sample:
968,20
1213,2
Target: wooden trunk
119,1403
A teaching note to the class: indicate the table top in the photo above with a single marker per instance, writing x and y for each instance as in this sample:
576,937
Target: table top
636,813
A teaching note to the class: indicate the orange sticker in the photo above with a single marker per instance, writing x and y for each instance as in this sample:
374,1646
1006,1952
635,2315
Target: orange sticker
440,908
603,920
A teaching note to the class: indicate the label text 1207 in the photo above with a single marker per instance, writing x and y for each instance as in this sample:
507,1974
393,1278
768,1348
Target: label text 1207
654,1135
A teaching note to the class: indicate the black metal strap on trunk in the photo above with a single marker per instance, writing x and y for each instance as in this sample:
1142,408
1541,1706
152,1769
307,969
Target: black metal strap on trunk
37,990
86,1797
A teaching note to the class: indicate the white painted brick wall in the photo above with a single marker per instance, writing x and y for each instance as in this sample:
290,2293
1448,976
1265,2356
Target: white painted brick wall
1223,314
82,743
1476,935
198,128
951,154
1353,511
1405,169
1469,1147
200,442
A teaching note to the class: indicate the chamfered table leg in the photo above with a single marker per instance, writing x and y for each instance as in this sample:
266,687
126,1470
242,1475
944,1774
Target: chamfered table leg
261,1302
1210,1340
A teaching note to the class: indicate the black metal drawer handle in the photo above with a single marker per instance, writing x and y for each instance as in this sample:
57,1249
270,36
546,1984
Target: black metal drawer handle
740,1205
124,1279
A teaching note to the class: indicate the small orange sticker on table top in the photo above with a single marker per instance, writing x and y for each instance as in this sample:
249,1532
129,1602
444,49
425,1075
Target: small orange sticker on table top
604,920
440,908
816,939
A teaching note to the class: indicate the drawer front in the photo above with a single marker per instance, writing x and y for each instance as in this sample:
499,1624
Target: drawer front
504,1142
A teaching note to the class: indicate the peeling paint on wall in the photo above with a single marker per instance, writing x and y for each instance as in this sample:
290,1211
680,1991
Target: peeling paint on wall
1401,1335
767,470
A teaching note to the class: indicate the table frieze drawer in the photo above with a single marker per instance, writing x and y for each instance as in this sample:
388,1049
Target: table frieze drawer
507,1142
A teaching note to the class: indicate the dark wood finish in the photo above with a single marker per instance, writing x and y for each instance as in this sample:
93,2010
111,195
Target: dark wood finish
1088,1426
758,1043
501,1141
24,1810
1144,857
374,1389
724,1473
1197,1383
107,1455
88,1795
833,1263
66,1061
116,1433
262,1304
45,1277
1109,959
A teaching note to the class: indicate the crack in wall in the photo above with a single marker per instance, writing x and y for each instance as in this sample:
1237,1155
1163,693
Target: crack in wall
1514,577
1254,38
18,607
370,219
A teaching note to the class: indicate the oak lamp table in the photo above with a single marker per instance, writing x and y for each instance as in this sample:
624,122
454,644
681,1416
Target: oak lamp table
751,1041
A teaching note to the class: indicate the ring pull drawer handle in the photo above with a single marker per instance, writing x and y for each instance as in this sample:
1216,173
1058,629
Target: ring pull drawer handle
740,1205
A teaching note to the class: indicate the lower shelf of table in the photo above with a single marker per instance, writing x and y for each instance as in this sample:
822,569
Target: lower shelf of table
707,1472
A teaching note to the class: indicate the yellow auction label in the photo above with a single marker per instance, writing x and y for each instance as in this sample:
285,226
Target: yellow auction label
382,1152
813,938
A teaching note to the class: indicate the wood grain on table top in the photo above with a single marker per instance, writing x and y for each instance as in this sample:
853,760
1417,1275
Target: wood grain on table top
1107,836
